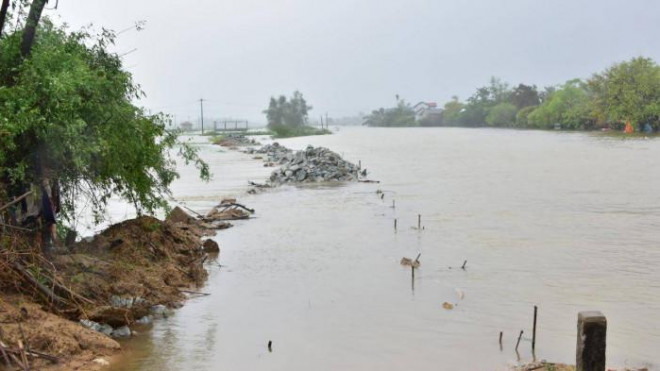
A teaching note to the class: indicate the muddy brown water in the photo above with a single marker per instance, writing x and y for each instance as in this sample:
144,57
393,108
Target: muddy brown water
565,221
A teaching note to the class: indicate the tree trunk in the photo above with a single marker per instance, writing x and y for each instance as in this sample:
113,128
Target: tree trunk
3,14
30,29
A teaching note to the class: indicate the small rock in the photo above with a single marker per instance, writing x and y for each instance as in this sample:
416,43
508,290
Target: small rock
177,215
90,324
158,309
210,246
105,329
102,328
121,332
101,361
145,320
118,302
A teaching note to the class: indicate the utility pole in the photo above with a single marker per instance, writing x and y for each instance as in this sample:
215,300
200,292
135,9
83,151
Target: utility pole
201,108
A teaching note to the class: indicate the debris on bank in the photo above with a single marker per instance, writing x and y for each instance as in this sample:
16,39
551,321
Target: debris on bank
228,210
233,140
542,366
64,312
411,263
274,152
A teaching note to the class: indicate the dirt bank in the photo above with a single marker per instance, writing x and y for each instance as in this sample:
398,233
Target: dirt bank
64,313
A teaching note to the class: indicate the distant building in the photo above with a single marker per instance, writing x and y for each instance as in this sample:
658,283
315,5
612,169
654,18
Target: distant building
428,112
186,126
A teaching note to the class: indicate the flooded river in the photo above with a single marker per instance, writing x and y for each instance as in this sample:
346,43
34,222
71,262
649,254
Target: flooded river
564,221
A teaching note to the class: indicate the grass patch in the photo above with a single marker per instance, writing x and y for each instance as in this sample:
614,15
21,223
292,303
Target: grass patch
260,132
217,139
302,131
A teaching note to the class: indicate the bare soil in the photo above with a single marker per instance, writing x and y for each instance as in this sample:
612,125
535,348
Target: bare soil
42,300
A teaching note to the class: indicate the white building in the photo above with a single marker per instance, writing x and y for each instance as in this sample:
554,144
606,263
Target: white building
424,110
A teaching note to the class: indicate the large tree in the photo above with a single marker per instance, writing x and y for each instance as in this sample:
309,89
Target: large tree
501,115
569,105
524,96
629,91
283,112
67,114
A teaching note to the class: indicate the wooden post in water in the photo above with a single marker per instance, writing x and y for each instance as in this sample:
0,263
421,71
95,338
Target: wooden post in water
394,224
419,221
519,336
501,340
591,339
412,280
393,205
534,330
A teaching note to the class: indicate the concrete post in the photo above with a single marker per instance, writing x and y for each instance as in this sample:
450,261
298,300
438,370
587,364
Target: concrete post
592,331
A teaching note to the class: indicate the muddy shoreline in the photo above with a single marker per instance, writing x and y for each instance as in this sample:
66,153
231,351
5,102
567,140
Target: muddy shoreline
67,313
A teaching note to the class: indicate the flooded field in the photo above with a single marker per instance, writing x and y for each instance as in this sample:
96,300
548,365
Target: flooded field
564,221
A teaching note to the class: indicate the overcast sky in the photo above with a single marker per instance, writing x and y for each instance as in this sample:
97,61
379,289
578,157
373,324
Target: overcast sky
350,56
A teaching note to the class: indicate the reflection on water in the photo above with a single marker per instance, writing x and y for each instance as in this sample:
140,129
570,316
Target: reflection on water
568,222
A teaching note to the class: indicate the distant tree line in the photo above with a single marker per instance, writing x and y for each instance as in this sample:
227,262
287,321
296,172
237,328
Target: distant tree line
627,92
401,115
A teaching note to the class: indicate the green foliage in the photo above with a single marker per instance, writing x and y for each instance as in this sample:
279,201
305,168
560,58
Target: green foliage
501,115
629,91
473,114
522,116
288,118
282,112
301,131
568,106
524,96
217,139
626,91
67,114
401,115
452,112
482,101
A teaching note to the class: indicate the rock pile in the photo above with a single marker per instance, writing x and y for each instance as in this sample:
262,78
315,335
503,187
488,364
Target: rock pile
310,165
234,140
274,152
